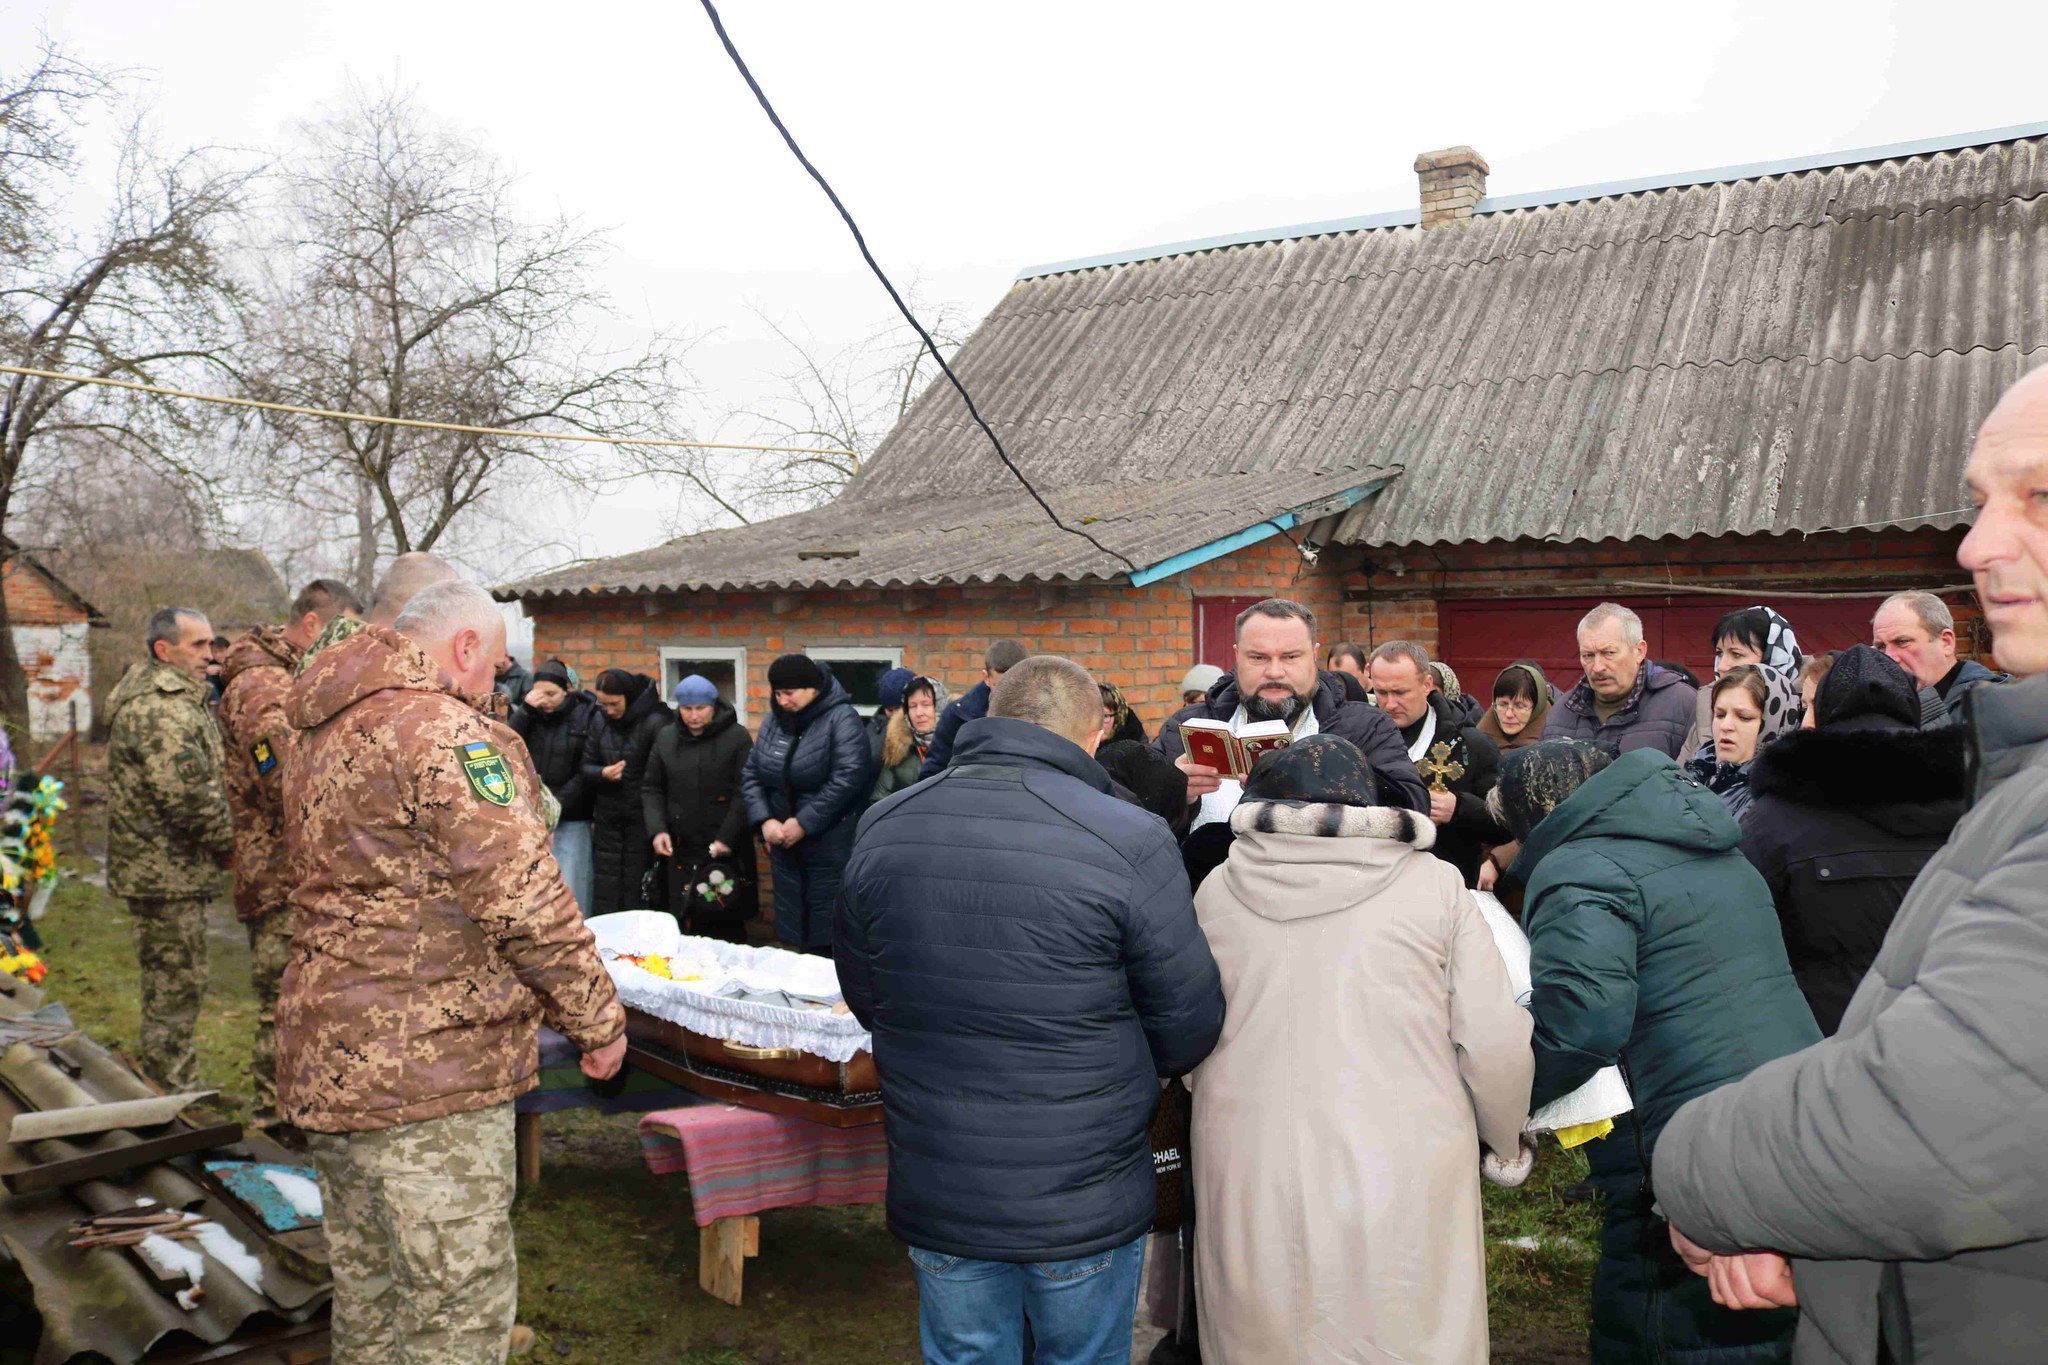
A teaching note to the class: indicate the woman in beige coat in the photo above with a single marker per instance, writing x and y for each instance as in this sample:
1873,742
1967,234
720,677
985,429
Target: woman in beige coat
1371,1044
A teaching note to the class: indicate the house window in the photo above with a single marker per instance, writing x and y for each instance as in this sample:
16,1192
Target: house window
724,669
860,672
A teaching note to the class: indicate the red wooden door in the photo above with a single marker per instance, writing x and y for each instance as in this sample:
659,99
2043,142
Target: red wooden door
1479,639
1216,629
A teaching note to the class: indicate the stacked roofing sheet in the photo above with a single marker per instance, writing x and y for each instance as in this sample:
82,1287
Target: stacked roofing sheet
1754,353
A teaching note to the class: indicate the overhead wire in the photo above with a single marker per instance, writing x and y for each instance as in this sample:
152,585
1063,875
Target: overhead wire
718,24
421,423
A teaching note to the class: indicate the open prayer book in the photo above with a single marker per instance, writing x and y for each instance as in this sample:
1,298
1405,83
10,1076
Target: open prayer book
1210,743
1577,1116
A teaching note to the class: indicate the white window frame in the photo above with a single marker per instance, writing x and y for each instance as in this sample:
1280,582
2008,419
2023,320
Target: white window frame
826,654
733,654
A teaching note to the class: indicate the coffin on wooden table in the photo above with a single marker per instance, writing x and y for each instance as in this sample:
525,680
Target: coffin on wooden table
752,1026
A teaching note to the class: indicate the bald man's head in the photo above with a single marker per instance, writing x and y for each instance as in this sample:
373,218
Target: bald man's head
2006,551
402,581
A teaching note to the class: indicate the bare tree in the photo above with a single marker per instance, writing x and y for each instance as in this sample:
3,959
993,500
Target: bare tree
143,294
834,406
409,285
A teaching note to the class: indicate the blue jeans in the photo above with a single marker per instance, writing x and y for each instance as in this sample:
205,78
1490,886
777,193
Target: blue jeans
1076,1312
572,851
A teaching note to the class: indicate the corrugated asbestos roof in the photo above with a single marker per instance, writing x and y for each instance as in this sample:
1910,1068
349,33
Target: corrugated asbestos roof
99,1303
1789,352
989,537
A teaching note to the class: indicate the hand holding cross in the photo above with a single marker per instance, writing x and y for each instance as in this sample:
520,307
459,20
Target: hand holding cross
1439,769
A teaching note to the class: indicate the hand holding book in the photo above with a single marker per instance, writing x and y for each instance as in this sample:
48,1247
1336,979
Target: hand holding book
1211,744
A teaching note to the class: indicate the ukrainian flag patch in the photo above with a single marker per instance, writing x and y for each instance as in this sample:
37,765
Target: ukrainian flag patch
489,776
263,756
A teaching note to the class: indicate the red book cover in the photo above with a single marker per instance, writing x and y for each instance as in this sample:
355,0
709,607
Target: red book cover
1211,748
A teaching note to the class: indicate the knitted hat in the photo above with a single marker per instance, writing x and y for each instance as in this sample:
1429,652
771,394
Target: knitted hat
1537,780
696,690
1865,682
795,670
553,671
1321,770
889,691
1201,678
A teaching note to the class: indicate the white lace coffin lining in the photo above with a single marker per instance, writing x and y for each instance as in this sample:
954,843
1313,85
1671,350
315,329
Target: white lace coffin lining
698,1006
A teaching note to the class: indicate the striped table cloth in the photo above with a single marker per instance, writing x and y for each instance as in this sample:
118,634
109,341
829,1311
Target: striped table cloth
741,1161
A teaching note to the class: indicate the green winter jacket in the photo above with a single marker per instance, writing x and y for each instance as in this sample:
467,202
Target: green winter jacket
1654,945
168,830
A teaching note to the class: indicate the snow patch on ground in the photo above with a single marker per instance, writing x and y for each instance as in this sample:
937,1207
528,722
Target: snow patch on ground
302,1194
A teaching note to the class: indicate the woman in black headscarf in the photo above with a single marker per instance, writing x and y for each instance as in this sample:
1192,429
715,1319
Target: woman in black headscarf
614,760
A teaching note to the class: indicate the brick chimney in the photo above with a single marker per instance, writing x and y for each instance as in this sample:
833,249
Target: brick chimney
1453,183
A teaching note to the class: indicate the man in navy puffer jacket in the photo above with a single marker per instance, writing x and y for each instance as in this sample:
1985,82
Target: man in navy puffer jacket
1024,948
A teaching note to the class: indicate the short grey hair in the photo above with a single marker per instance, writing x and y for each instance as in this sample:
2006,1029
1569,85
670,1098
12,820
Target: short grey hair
1631,624
1932,613
1405,649
407,575
1279,609
165,624
1052,693
440,611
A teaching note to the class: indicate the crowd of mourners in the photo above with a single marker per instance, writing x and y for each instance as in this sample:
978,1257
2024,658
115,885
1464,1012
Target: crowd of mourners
1797,906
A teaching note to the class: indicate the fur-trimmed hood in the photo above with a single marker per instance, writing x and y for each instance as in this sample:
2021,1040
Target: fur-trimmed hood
1297,861
1904,781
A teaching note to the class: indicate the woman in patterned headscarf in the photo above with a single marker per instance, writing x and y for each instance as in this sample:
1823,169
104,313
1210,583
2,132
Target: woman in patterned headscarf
1755,635
1753,705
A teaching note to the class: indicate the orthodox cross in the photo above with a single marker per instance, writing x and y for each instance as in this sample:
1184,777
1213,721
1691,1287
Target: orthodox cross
1440,769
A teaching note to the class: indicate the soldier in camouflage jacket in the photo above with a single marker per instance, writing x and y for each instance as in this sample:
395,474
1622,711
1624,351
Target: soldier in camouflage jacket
168,828
168,836
434,926
256,675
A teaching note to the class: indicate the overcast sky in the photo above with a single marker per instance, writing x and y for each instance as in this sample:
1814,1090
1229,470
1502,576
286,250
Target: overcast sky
974,139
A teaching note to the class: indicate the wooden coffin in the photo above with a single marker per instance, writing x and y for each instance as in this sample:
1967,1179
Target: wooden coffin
779,1080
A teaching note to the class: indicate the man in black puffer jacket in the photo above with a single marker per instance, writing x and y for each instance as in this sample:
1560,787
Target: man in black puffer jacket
1023,1002
1277,679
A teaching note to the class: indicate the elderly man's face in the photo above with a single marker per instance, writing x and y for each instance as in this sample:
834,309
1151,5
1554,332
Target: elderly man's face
192,651
2006,551
1612,664
1276,664
1896,630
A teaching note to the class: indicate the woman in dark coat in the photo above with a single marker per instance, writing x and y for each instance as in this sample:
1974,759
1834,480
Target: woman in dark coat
1845,816
614,760
690,799
556,720
806,783
1653,946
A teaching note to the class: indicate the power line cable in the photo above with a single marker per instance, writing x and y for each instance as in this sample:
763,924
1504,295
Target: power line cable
711,11
420,423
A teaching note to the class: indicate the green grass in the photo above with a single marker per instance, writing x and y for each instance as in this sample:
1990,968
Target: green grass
608,1251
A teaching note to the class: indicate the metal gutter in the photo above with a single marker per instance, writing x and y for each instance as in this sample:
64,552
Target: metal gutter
1546,198
1264,530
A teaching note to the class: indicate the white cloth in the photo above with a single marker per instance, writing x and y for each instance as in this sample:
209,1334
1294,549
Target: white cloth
1422,741
718,966
1606,1095
1218,804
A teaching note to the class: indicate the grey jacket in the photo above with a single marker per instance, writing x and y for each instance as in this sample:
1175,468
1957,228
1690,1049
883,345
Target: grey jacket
1657,715
1900,1161
1937,710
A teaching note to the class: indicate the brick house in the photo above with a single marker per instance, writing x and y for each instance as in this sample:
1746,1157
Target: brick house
52,627
1461,423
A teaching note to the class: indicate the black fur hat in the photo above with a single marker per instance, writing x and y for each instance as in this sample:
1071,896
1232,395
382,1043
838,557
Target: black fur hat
1865,682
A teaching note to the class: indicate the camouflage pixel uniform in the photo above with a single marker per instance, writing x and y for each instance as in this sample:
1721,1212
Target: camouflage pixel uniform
168,833
258,673
435,932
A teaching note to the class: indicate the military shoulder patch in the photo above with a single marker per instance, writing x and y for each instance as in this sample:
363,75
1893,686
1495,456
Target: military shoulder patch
263,755
489,775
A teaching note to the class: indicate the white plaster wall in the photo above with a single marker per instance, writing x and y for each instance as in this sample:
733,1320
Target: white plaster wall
59,673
